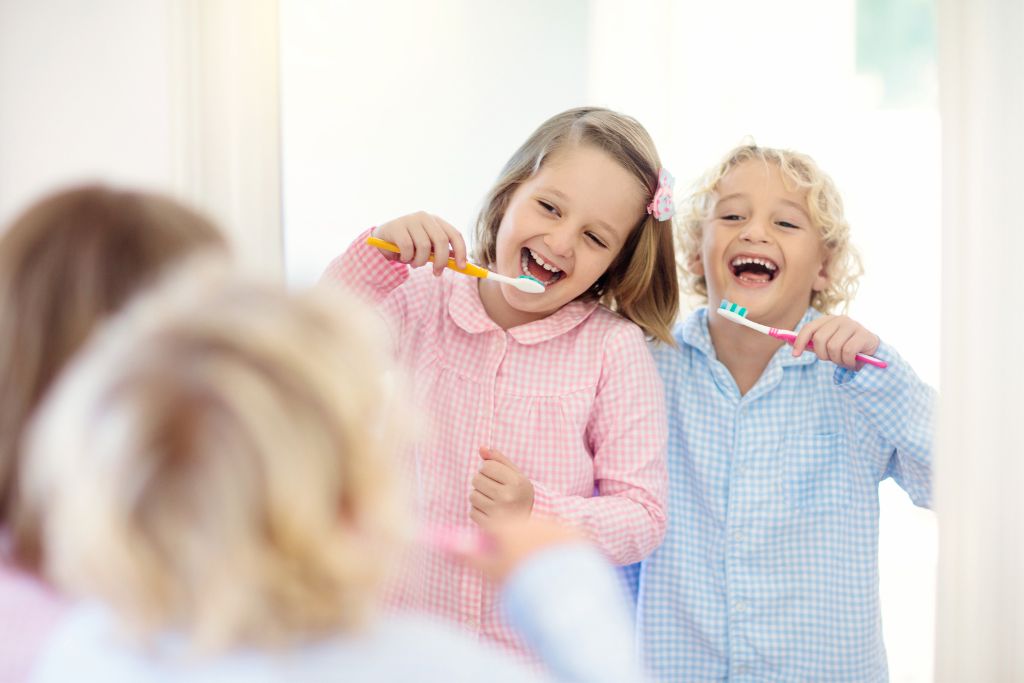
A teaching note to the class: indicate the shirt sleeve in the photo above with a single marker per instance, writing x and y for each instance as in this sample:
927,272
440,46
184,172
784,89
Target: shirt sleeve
568,605
627,434
365,271
901,409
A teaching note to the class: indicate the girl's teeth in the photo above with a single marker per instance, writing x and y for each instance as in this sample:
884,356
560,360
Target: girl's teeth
540,262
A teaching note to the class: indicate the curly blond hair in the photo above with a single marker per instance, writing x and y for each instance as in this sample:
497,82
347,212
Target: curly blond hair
824,205
218,462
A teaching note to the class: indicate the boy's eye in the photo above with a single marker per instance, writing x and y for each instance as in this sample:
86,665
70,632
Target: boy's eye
787,224
597,240
550,208
732,217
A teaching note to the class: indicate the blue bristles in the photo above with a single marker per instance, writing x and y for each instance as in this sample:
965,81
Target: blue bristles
733,308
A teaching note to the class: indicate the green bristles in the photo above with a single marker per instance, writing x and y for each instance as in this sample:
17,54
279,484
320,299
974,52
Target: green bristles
733,308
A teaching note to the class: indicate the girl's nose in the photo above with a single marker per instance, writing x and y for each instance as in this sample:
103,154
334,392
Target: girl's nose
560,241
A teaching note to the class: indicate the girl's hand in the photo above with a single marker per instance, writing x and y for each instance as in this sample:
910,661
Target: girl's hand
420,234
500,491
837,338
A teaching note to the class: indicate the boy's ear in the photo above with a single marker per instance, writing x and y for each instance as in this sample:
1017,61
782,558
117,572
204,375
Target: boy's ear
696,265
821,281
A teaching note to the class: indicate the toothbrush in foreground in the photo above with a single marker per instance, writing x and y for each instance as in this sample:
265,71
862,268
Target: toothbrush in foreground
524,283
738,314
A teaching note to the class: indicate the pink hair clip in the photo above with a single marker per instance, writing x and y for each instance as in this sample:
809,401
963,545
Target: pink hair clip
661,206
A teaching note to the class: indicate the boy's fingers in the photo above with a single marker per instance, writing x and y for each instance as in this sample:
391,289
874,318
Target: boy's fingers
804,336
837,344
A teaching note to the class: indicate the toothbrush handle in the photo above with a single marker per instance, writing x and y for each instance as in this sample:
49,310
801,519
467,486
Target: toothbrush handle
470,269
789,338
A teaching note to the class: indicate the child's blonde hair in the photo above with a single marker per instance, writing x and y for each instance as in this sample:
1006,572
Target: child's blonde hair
641,283
824,206
218,463
67,263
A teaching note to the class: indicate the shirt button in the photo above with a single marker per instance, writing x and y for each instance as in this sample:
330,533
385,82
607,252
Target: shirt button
739,606
472,624
741,470
737,536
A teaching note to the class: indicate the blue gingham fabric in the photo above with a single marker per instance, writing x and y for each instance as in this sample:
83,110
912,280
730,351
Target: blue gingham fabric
769,569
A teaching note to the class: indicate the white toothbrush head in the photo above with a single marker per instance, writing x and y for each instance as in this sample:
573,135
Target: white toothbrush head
738,314
528,284
524,283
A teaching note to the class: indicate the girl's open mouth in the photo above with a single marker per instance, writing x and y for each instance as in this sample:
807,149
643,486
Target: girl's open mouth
533,264
754,269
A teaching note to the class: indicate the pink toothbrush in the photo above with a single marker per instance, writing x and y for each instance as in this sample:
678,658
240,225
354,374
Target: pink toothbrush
738,314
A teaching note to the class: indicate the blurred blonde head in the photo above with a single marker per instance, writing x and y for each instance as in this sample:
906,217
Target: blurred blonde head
824,206
66,264
640,284
218,463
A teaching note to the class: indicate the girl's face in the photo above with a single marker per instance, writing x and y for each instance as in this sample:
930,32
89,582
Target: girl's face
760,248
563,226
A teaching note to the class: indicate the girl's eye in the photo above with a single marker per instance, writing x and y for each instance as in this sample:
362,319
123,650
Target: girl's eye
550,208
732,217
597,240
787,224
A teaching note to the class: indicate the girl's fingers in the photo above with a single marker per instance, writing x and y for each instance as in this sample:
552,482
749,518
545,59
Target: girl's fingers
421,238
497,471
457,242
486,485
438,242
481,502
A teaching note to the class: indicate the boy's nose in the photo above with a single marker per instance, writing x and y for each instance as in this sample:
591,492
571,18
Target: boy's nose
754,231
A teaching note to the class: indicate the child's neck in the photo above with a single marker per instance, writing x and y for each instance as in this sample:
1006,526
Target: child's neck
744,352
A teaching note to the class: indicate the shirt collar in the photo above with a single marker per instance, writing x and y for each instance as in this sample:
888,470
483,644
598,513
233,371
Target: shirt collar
467,310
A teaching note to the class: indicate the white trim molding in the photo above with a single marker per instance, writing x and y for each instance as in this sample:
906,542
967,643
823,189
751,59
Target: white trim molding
225,122
979,482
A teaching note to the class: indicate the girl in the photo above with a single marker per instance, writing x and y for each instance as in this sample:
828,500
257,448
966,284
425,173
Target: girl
769,570
216,478
66,264
539,403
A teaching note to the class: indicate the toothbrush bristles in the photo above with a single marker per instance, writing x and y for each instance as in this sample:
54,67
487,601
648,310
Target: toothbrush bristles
733,308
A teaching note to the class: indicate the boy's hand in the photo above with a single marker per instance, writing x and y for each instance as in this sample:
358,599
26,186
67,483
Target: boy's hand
510,542
837,338
500,490
420,234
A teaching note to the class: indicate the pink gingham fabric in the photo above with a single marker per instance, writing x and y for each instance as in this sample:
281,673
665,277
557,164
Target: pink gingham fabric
29,610
574,400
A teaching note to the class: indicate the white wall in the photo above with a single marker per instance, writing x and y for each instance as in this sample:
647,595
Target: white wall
83,95
393,107
176,96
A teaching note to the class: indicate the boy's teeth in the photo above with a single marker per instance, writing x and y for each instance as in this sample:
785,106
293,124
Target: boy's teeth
744,260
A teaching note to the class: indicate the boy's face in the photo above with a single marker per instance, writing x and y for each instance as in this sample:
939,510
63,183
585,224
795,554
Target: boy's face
760,249
563,226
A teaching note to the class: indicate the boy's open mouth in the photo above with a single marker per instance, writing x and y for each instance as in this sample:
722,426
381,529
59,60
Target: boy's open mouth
533,264
754,269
